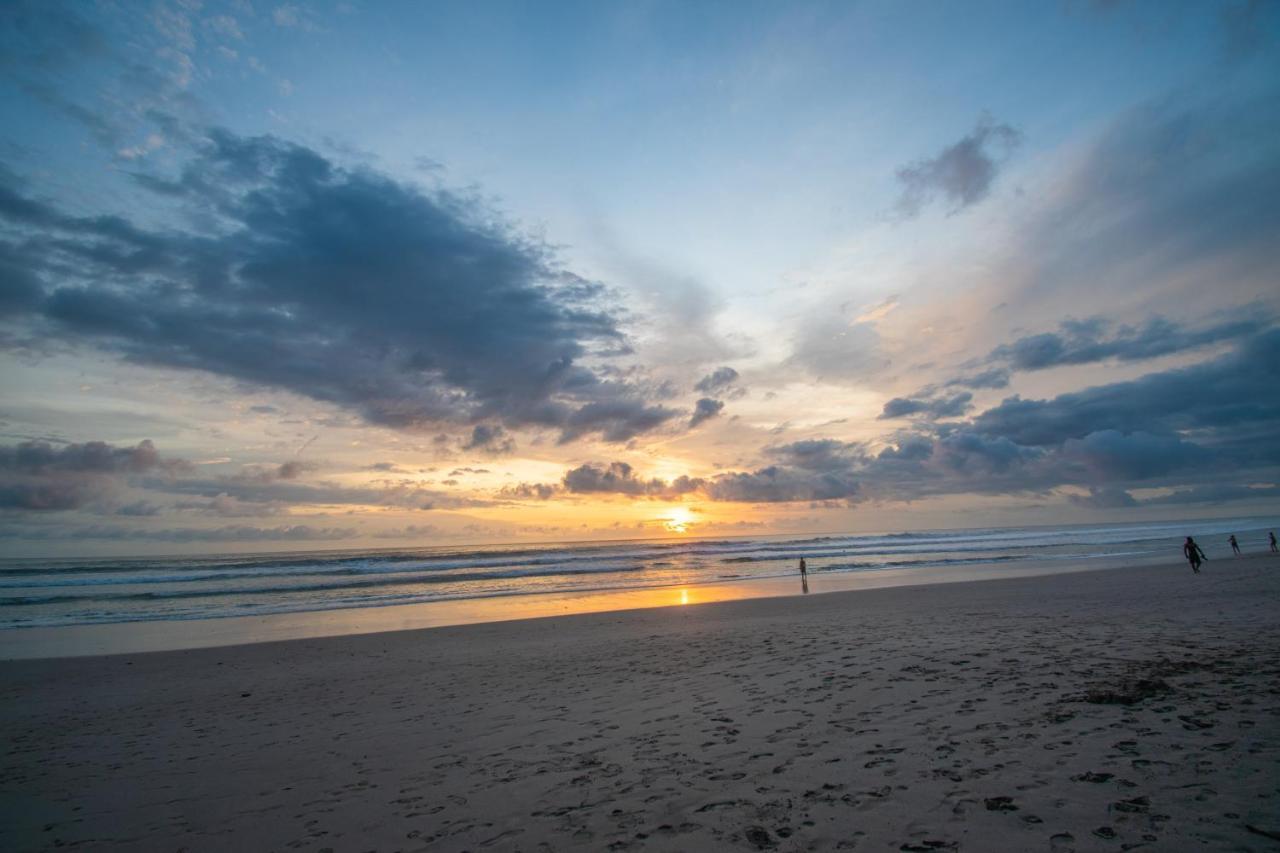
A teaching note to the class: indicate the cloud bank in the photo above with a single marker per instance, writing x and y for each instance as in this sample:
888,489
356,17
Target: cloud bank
413,308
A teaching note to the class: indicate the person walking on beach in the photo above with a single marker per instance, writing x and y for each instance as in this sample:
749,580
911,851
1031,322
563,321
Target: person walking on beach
804,575
1272,534
1193,554
1235,546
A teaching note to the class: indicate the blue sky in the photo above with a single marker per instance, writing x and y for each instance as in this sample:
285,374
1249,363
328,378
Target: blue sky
392,241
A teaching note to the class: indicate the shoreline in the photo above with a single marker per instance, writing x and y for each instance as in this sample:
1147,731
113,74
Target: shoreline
1138,707
174,635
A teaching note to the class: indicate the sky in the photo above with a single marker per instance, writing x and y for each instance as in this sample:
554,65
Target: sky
379,274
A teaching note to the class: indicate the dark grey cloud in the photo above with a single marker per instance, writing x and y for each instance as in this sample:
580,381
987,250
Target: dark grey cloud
1207,429
1230,392
599,478
619,478
1087,341
36,475
779,484
139,509
928,407
811,470
718,380
961,174
489,438
530,491
996,377
1127,457
615,420
704,410
291,470
229,533
407,494
411,307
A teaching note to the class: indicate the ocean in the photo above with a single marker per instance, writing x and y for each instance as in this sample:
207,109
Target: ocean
51,593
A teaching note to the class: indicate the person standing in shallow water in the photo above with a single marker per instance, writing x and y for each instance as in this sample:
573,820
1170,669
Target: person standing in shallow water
1272,535
1194,555
804,575
1235,546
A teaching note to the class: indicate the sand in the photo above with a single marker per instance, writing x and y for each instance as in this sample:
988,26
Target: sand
1098,711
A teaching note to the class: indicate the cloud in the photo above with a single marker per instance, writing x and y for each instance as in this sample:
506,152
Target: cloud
619,478
530,491
412,531
413,308
962,173
1108,497
1085,341
812,470
717,380
226,26
290,470
704,410
1215,494
830,345
35,475
230,533
931,408
616,420
1112,455
287,15
1130,215
997,377
489,439
408,494
1232,391
778,484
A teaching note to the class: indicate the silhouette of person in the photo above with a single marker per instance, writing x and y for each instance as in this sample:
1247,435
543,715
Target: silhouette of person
804,576
1272,534
1235,546
1194,555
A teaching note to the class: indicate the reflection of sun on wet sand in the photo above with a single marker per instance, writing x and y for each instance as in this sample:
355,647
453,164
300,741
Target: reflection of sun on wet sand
1081,711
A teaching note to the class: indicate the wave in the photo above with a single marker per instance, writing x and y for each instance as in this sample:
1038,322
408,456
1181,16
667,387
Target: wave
24,600
444,559
57,592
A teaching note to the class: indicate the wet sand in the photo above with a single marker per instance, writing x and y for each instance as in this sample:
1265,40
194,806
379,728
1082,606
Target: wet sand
1101,710
160,635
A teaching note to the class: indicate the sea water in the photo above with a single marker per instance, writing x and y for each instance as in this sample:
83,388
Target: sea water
51,593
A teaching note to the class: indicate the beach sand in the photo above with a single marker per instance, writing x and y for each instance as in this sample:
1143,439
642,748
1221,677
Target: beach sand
1094,711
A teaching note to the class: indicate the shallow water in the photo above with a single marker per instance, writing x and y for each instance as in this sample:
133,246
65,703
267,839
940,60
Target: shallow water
53,593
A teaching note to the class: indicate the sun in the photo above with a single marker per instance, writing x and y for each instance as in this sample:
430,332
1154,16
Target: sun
677,520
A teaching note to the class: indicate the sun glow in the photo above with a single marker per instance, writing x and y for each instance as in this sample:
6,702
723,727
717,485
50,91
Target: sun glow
677,520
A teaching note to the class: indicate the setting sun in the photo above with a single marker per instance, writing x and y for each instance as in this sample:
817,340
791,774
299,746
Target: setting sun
677,520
